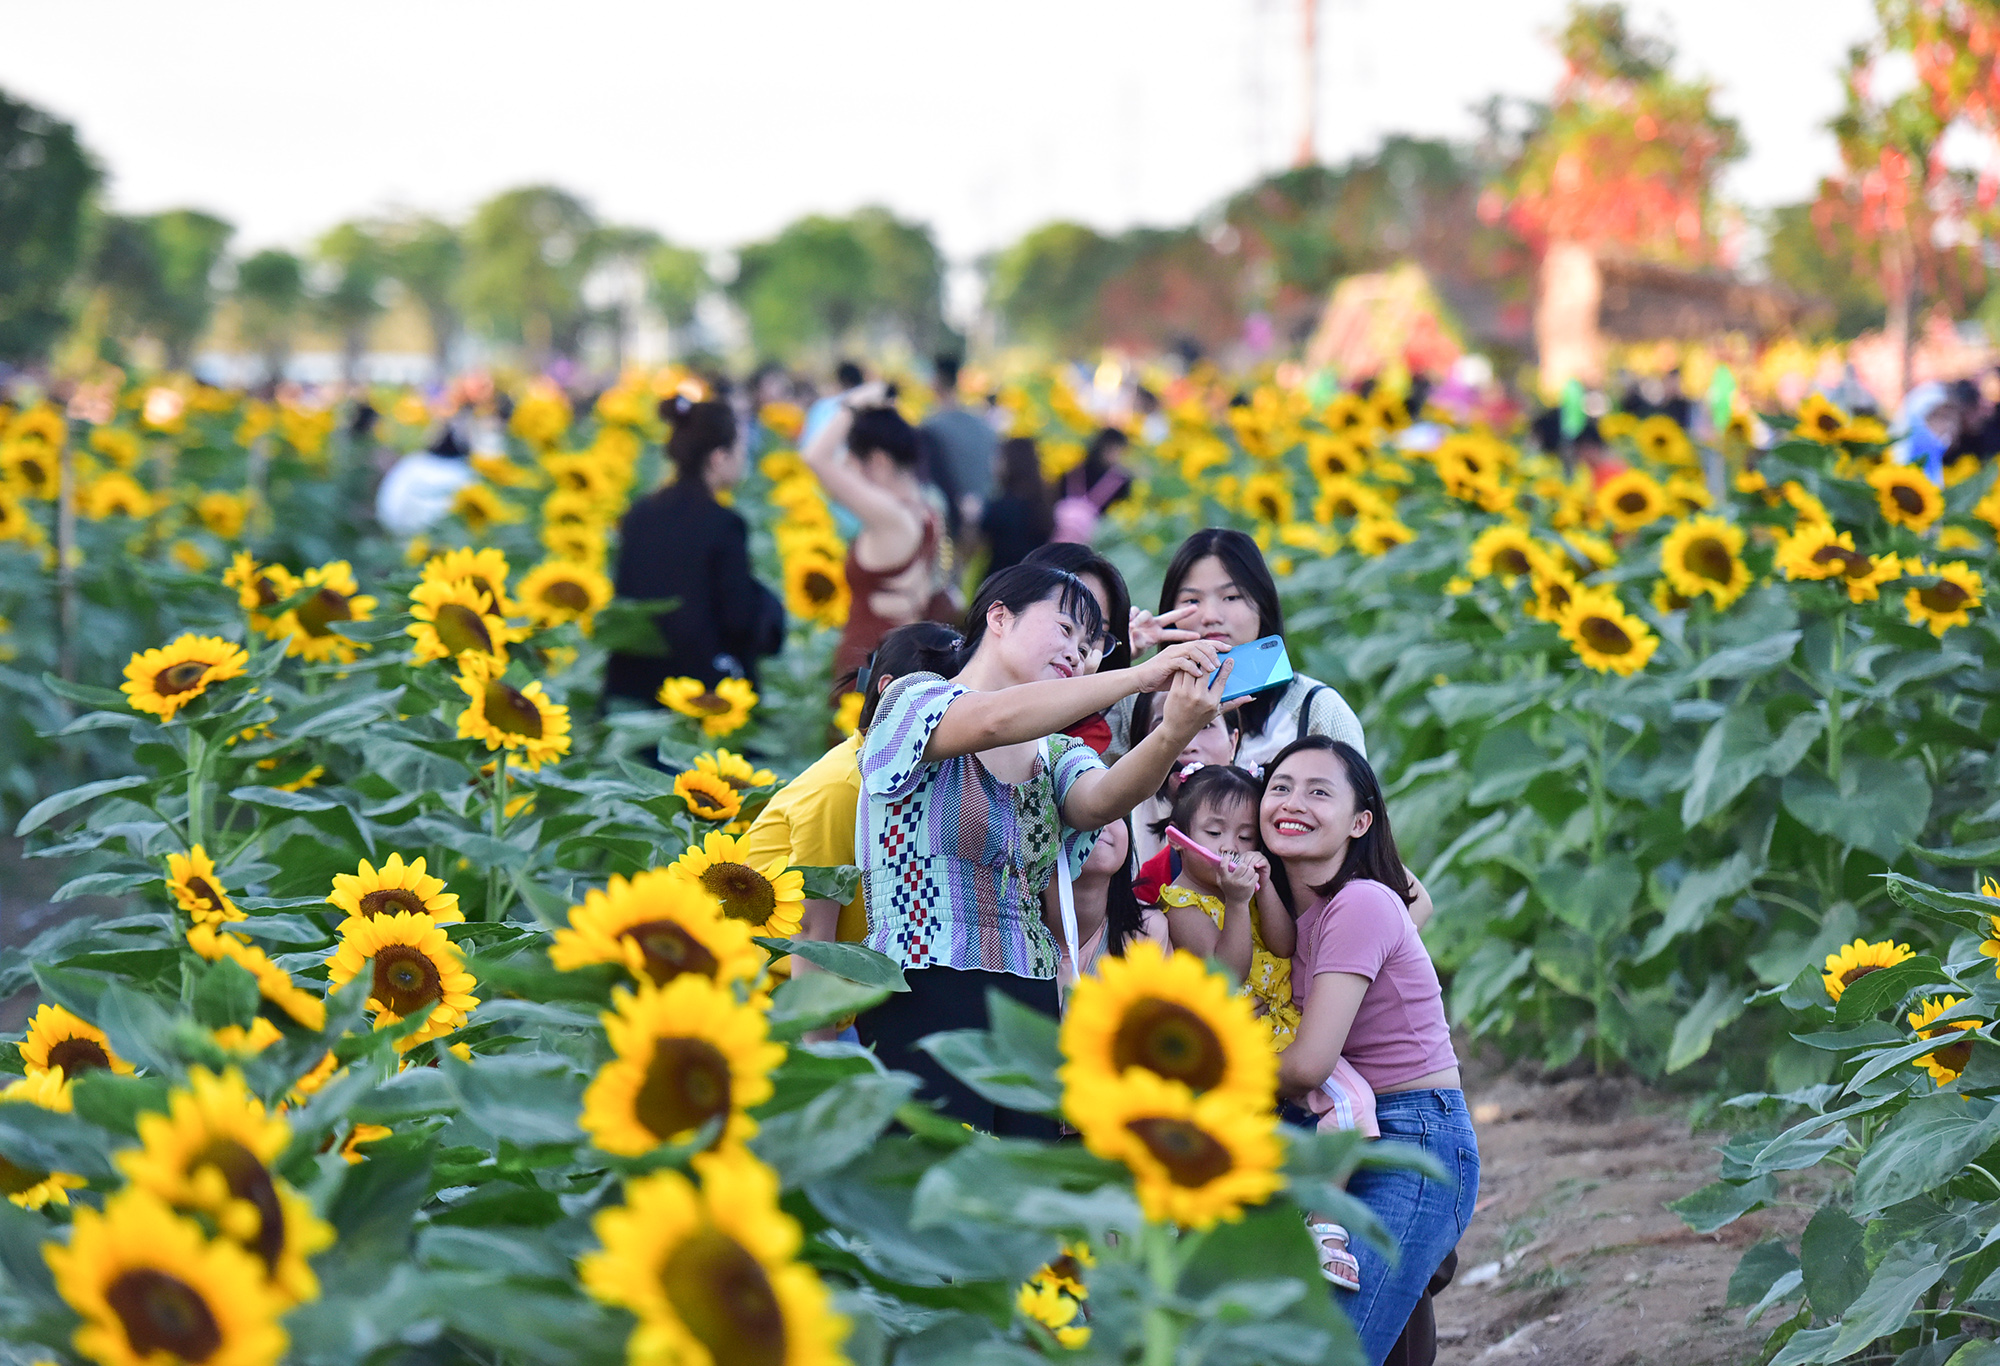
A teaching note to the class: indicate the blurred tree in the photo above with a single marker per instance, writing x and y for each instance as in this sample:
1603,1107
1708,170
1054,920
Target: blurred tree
1817,263
46,181
617,282
906,277
677,278
1626,161
525,262
1044,287
357,273
821,279
158,273
427,257
271,293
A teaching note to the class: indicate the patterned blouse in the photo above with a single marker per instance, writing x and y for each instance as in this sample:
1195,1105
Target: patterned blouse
953,860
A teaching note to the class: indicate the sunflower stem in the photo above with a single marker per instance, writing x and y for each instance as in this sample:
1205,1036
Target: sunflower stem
497,819
1162,1333
197,788
1834,702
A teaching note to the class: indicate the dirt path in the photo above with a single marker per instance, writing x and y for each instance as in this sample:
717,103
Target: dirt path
1573,1257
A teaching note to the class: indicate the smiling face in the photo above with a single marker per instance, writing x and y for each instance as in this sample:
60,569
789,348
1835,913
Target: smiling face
1108,855
1223,612
1309,812
1041,641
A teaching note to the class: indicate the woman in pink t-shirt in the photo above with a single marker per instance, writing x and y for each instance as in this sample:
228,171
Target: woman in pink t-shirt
1367,991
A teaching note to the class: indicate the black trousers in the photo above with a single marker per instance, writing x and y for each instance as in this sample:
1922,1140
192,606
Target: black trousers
953,998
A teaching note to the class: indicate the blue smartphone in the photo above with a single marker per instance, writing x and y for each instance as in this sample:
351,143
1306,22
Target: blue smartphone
1261,666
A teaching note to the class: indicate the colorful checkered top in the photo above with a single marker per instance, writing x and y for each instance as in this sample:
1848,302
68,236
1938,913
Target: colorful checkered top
954,860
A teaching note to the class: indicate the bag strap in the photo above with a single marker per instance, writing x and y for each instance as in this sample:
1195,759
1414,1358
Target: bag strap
1306,711
1065,893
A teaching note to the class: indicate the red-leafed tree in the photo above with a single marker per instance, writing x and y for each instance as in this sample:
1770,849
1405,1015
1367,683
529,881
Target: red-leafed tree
1625,162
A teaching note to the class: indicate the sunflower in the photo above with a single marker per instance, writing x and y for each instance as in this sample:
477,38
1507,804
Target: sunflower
1631,499
335,597
350,1150
1555,589
487,569
1857,960
258,588
1330,457
1689,493
1268,498
415,968
533,729
816,590
1147,1011
482,509
192,880
274,984
1816,551
1661,440
583,545
556,591
708,797
1946,603
1820,420
1050,1302
116,494
1945,1064
118,445
1906,496
688,1054
246,1042
56,1038
153,1290
1197,1160
1705,555
1341,497
770,901
564,508
223,513
1505,552
1864,430
397,886
1605,636
163,680
1666,598
1379,535
658,926
1589,553
711,1272
847,715
211,1155
721,710
31,1188
31,468
16,522
735,770
449,620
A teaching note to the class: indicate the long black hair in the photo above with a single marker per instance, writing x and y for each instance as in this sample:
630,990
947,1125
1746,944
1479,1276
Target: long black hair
1021,586
1372,855
700,430
1075,557
1124,917
1252,577
922,647
1210,785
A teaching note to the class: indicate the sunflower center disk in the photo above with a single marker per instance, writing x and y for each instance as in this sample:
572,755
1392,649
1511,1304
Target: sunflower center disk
1709,559
1605,636
1945,597
267,592
819,587
390,900
1632,503
162,1313
1511,561
14,1180
1953,1057
77,1056
1853,975
1171,1040
511,711
406,980
248,1180
709,703
201,891
460,629
670,950
185,676
725,1299
745,893
323,607
1908,499
687,1085
1190,1155
571,597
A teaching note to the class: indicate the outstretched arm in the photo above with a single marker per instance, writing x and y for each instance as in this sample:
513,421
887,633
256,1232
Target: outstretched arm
1103,795
1029,711
896,531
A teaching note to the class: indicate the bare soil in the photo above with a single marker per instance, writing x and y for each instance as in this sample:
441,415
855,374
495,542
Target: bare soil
1573,1257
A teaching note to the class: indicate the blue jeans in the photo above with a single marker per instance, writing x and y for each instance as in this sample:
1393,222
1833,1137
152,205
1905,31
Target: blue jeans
1425,1216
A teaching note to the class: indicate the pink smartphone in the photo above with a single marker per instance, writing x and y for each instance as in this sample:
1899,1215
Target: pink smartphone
1182,841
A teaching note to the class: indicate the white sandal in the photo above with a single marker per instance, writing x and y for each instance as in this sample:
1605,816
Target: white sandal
1336,1263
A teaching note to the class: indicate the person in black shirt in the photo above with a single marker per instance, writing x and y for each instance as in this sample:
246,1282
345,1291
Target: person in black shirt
1018,521
679,543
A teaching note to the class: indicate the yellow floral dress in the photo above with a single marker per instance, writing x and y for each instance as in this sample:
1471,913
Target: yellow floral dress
1270,981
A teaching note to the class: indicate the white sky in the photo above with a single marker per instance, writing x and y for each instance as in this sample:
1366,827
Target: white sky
715,123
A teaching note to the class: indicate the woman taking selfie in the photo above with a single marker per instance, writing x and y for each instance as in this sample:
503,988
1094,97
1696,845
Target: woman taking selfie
970,793
1367,992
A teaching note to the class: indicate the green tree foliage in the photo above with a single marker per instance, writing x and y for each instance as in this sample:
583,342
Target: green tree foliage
822,280
357,269
46,180
158,272
677,278
426,256
271,294
1045,286
525,261
1816,262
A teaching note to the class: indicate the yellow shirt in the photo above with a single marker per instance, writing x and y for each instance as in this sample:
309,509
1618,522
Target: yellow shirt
1270,980
810,824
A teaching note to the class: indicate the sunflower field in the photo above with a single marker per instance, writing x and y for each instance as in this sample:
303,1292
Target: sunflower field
432,1014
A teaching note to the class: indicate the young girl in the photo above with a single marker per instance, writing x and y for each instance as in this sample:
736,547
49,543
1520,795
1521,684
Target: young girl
1109,919
1216,744
1366,990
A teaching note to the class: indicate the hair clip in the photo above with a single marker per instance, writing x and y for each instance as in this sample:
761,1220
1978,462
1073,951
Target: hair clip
1255,770
1189,770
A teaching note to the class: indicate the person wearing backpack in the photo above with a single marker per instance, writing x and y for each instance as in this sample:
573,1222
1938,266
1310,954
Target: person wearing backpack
1091,487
